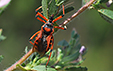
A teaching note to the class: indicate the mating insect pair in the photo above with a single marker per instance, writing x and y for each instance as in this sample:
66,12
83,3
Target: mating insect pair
44,38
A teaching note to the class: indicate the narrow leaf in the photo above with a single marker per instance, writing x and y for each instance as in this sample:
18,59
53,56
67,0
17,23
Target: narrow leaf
59,2
44,8
43,68
71,57
76,69
52,8
19,68
103,1
26,49
1,58
74,34
106,14
67,10
2,37
63,43
0,32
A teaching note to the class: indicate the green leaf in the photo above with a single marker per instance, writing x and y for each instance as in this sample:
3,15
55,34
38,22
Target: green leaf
19,68
26,49
77,62
106,14
103,1
67,10
1,58
74,34
1,36
60,54
60,2
63,43
44,8
71,57
74,38
52,8
0,32
58,67
76,69
43,68
49,7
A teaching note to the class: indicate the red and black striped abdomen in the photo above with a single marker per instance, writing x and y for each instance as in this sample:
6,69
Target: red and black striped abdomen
41,45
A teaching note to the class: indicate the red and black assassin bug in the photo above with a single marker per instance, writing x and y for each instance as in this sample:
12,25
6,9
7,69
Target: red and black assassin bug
44,38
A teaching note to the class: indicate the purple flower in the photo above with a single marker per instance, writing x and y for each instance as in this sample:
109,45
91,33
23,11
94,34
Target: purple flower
82,49
4,2
109,3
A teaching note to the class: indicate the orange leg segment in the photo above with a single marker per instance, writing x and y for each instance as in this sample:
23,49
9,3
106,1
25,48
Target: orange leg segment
51,49
41,20
48,41
59,16
41,16
60,27
63,9
33,37
38,8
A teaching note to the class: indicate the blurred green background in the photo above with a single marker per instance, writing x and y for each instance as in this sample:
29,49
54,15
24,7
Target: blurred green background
19,23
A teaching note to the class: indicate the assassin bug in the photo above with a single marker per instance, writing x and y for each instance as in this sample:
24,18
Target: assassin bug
44,39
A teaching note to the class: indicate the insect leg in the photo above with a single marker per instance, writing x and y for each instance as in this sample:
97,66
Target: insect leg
59,16
63,28
33,37
39,14
51,49
38,9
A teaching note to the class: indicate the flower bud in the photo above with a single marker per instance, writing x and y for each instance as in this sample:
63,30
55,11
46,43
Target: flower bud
82,49
109,3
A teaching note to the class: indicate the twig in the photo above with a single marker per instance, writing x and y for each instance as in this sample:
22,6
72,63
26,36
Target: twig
20,61
82,9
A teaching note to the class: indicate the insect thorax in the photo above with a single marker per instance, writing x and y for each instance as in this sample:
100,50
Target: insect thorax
48,28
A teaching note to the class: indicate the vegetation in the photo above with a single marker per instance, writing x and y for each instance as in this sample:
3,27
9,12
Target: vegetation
67,55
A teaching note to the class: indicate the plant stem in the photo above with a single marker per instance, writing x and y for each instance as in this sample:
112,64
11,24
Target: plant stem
82,9
21,60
